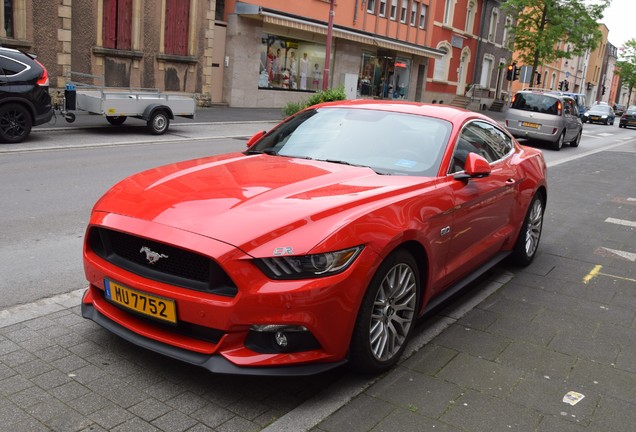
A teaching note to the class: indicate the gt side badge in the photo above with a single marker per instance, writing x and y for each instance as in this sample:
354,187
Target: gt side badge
280,251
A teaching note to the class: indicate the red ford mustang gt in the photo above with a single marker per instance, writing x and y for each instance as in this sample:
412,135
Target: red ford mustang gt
322,243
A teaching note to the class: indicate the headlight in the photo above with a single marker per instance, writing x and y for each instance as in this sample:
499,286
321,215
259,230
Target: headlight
308,266
605,116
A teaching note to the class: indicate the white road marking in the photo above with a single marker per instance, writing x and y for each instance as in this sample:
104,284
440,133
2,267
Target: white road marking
623,222
629,256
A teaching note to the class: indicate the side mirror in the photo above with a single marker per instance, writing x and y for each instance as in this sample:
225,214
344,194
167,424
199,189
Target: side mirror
258,135
475,167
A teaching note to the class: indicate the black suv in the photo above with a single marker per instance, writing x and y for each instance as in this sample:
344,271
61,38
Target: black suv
24,95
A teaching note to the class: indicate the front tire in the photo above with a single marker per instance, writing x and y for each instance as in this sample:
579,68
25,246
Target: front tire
528,241
387,315
577,140
15,123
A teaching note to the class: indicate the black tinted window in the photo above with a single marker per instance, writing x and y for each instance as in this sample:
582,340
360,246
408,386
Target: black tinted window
537,103
10,67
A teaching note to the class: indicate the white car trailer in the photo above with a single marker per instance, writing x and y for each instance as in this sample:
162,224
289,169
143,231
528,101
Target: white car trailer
117,104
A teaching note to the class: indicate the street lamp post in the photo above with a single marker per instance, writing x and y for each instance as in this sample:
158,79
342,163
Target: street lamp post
325,74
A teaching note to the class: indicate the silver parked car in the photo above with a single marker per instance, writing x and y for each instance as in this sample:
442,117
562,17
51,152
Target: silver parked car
542,116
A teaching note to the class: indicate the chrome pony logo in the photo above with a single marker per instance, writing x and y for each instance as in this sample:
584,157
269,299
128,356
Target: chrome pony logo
151,255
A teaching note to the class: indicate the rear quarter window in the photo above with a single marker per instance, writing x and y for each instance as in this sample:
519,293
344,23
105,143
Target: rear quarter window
11,67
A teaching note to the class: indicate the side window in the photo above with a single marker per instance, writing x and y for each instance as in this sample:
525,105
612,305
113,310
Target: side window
483,139
10,67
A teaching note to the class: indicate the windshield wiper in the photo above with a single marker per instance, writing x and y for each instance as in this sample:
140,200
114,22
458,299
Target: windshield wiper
268,151
343,162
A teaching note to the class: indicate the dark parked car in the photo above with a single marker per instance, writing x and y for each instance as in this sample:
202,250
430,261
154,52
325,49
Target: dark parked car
24,95
628,118
619,109
599,113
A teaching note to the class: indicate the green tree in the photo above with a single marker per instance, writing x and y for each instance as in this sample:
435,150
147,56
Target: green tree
543,24
626,67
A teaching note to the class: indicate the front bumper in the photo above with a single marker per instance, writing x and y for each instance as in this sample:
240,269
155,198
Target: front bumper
215,331
213,363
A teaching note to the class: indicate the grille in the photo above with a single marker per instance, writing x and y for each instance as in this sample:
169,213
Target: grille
174,265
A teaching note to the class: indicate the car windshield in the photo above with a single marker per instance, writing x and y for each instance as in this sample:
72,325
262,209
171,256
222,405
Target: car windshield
631,109
387,142
536,102
601,108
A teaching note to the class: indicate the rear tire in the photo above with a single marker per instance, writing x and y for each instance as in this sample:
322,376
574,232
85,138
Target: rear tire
15,123
577,140
528,240
387,315
158,122
558,145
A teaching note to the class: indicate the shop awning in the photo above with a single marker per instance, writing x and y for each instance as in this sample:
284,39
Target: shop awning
298,23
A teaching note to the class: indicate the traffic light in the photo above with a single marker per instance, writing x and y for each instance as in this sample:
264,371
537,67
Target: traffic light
603,90
538,77
560,85
516,73
511,72
566,85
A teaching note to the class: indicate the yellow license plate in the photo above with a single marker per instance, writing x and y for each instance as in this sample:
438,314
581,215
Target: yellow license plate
532,125
145,304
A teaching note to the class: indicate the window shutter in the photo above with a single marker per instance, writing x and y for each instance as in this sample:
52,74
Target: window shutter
109,24
177,20
124,24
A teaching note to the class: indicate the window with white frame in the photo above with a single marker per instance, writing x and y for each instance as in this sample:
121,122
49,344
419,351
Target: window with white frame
440,71
448,12
382,11
494,19
486,71
423,9
506,36
394,9
405,5
371,6
470,16
414,12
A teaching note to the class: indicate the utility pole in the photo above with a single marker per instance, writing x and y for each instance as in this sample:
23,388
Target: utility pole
325,74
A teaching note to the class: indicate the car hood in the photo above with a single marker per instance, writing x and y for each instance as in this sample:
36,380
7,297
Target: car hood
248,201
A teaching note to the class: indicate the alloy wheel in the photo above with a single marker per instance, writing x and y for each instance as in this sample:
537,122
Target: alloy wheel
393,312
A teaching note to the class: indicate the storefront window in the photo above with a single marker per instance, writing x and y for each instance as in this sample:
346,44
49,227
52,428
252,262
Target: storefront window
290,64
384,76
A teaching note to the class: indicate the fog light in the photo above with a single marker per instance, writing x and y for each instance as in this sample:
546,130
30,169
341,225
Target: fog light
280,338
